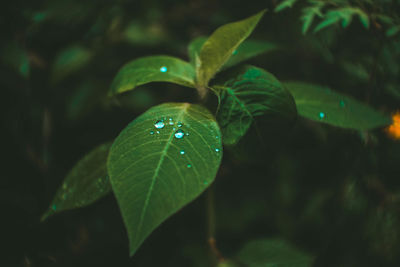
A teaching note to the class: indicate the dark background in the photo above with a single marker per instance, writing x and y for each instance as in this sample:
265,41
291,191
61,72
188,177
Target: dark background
331,192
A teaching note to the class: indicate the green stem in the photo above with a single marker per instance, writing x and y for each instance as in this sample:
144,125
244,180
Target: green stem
211,224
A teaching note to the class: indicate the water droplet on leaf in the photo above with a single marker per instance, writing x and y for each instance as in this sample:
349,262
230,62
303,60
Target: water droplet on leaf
217,150
179,134
234,52
163,69
182,152
151,132
321,115
180,124
159,124
189,166
342,103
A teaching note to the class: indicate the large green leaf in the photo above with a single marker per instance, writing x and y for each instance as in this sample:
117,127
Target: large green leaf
246,50
273,253
153,69
160,162
85,183
249,93
217,50
324,105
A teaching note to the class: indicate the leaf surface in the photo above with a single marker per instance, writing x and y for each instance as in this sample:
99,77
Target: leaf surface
251,92
271,253
324,105
154,173
219,47
153,69
86,183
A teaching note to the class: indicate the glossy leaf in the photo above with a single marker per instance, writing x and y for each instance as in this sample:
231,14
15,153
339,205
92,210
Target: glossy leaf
246,50
249,93
273,252
70,60
153,69
324,105
86,183
217,50
157,165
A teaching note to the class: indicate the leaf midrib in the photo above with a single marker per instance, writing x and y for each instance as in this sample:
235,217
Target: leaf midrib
155,175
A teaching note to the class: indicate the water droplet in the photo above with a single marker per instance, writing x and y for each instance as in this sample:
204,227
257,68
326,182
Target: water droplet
182,152
189,166
158,132
180,124
321,115
205,182
187,134
179,134
159,124
151,132
217,137
171,123
217,150
170,118
234,52
342,103
163,69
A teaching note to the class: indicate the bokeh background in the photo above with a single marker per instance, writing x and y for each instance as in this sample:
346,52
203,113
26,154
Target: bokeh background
332,193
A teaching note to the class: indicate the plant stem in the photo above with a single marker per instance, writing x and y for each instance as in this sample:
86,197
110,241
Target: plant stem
211,224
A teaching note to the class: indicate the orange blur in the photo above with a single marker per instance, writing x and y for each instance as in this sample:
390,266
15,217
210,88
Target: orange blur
394,129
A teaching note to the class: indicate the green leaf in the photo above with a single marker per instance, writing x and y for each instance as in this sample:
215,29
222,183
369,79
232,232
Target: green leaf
392,31
86,183
309,14
153,69
154,174
217,50
13,55
69,61
251,92
273,252
284,4
246,50
324,105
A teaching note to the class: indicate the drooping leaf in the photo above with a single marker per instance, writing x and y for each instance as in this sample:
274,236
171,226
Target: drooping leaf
324,105
310,13
284,4
344,15
246,50
160,162
70,60
153,69
251,92
273,252
217,50
86,183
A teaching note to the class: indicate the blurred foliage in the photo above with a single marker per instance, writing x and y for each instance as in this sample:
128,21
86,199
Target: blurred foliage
331,193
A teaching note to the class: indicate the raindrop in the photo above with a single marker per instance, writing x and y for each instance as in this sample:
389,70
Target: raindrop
151,132
234,52
189,166
171,123
187,134
158,132
321,115
182,152
163,69
159,124
342,103
217,137
179,134
180,124
217,150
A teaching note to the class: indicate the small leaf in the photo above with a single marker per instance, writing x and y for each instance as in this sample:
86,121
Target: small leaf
284,4
392,31
364,19
70,60
273,252
160,162
246,50
86,183
324,105
217,50
309,14
153,69
251,92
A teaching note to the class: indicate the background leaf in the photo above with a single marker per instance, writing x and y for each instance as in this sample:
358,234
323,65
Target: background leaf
153,69
221,44
273,252
284,4
160,162
324,105
249,93
86,183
